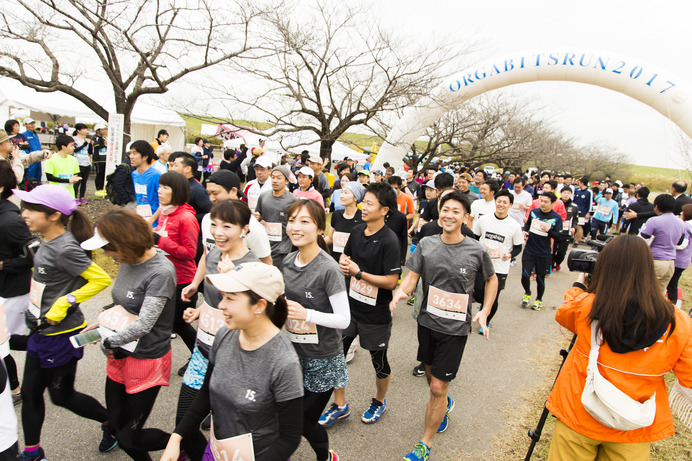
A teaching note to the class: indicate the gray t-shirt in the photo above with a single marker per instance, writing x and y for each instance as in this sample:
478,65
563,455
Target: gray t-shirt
246,385
57,265
212,297
448,273
152,278
311,286
274,211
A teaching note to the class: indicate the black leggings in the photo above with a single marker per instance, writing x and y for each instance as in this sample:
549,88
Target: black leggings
672,286
60,384
127,414
186,331
540,265
81,186
195,444
11,366
378,357
100,175
313,406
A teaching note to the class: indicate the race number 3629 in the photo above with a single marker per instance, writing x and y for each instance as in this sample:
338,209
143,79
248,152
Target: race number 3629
363,291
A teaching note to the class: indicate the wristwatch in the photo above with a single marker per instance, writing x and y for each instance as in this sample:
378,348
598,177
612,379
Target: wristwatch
72,299
359,275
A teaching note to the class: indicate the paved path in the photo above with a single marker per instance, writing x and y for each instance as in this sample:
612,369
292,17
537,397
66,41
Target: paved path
492,377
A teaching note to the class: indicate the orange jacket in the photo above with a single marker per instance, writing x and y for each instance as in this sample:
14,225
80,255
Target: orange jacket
645,370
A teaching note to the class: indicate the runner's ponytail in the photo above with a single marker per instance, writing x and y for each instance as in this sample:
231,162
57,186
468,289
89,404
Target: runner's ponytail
80,226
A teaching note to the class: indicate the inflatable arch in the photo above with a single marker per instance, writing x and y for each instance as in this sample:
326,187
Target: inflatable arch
656,87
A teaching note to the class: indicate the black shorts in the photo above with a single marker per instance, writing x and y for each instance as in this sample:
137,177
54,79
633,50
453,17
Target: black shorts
441,351
373,337
538,264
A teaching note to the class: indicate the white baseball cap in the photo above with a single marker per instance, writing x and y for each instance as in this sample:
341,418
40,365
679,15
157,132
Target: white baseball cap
263,279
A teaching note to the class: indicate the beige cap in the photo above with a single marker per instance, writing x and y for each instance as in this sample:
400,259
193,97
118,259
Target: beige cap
315,159
263,279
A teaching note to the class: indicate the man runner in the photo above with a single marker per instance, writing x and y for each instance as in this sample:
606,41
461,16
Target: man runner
444,320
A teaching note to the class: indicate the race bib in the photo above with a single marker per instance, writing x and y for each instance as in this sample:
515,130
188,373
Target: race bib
4,334
604,210
566,225
581,221
210,320
300,331
494,253
447,305
115,320
35,297
539,227
237,448
339,241
273,231
144,211
141,189
252,202
362,291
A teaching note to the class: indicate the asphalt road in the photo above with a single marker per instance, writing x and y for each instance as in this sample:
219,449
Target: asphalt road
492,377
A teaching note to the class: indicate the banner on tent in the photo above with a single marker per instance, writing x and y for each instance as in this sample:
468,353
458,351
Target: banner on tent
114,155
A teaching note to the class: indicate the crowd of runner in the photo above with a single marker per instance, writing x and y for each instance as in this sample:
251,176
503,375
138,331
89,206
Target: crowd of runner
280,303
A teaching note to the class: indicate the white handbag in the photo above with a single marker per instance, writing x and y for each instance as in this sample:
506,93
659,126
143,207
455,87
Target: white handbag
608,404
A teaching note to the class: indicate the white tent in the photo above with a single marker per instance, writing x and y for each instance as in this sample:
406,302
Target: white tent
146,119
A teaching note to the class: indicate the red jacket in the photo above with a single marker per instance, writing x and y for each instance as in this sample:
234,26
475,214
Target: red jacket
179,232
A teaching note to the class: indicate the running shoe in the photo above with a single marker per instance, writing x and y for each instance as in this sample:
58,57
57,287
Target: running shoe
420,452
525,301
108,441
101,193
537,305
557,268
83,201
480,330
333,456
445,421
334,414
512,262
38,456
352,350
419,370
374,413
411,301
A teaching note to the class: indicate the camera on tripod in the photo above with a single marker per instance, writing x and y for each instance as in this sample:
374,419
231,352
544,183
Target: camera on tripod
585,260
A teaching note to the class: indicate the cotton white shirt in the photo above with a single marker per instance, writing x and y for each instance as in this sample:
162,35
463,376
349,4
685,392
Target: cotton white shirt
498,236
481,207
516,212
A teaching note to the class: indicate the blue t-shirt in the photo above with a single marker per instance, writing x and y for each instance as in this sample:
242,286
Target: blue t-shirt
34,145
147,188
605,209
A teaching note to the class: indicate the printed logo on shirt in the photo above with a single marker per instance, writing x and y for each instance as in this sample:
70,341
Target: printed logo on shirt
462,270
495,237
41,270
250,395
130,295
308,295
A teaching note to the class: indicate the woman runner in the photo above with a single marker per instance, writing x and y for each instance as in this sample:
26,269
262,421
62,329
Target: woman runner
253,384
229,224
138,348
343,221
64,276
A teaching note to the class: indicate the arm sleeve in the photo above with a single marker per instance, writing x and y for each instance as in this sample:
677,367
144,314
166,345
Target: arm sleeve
516,249
290,430
339,319
97,281
152,306
646,214
52,178
198,409
186,249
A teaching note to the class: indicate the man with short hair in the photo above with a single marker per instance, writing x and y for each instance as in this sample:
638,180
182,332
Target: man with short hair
404,202
569,227
678,189
542,224
321,182
522,201
665,234
642,207
444,320
606,209
161,138
371,263
558,206
413,185
254,188
377,176
62,169
364,177
463,182
583,198
186,164
225,185
441,182
478,179
34,170
99,147
163,152
145,179
487,204
272,212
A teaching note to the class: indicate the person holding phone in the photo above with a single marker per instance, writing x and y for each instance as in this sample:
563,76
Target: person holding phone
64,276
254,385
318,310
229,224
136,331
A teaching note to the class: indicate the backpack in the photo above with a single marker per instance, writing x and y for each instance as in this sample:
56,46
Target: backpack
111,193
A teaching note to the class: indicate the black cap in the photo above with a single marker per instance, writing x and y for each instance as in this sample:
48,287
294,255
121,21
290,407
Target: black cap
227,180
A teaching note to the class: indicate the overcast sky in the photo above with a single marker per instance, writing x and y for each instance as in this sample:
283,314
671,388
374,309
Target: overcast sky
657,32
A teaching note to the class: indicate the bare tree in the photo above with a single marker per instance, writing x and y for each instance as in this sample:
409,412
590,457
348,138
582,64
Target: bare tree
333,70
138,46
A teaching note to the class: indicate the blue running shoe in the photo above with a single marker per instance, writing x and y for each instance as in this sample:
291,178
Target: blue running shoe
39,455
373,414
420,452
445,421
334,414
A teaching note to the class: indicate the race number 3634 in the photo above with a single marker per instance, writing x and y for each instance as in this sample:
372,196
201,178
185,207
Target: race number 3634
447,305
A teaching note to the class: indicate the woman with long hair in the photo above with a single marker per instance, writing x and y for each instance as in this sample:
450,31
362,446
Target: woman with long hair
253,385
136,331
318,310
176,234
64,276
230,221
682,257
643,337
